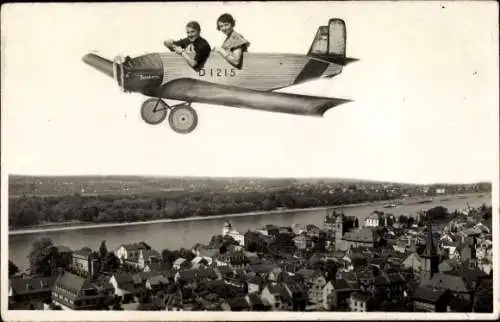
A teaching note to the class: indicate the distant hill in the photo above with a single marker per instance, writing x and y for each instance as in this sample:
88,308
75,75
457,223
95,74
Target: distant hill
92,185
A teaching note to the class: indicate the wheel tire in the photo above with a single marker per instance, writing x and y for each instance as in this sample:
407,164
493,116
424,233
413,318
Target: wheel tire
149,115
183,119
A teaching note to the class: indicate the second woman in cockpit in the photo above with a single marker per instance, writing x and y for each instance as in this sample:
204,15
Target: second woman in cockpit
234,45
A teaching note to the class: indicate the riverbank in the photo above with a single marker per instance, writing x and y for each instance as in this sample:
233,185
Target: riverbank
82,225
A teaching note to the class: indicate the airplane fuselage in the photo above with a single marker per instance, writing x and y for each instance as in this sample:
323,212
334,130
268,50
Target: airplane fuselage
260,71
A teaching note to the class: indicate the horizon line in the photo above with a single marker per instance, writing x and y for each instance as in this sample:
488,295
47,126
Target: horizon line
252,177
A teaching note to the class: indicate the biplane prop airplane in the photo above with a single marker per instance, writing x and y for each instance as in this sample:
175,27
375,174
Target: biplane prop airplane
167,76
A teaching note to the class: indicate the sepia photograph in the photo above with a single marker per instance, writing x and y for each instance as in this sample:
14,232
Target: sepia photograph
250,160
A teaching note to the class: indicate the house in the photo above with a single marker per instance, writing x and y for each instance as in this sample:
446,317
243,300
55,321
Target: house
30,293
375,219
228,230
413,262
429,299
255,302
455,282
179,263
336,294
364,237
297,294
275,297
397,286
191,276
313,231
448,265
73,292
201,262
157,282
256,241
287,296
465,252
361,302
274,274
84,262
145,257
303,241
239,303
484,249
129,251
255,284
205,251
153,267
314,281
126,286
236,259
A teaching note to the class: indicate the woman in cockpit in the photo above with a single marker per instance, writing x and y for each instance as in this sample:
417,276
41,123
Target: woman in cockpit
234,45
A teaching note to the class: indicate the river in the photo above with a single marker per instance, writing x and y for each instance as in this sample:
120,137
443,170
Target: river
174,235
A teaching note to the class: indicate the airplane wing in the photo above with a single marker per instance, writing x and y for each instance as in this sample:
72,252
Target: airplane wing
192,90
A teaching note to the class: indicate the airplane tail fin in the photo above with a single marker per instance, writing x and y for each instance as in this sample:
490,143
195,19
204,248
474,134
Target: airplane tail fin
329,44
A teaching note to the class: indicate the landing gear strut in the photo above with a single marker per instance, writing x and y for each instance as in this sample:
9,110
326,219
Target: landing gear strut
182,118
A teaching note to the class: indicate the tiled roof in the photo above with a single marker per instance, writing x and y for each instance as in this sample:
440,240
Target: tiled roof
32,285
191,274
72,282
341,285
134,247
254,299
395,278
361,296
428,294
361,235
158,279
63,249
446,281
123,278
83,252
150,253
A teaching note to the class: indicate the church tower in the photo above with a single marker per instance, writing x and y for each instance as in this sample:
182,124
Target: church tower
339,231
430,258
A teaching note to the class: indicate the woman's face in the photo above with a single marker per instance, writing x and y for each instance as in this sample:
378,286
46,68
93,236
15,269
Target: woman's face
225,27
192,33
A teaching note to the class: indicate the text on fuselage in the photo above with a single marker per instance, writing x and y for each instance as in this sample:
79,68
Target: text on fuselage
217,72
146,76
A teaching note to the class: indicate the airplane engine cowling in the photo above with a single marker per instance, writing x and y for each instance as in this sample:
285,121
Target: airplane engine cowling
143,74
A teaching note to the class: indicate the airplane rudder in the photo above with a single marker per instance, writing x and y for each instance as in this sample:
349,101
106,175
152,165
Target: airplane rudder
337,37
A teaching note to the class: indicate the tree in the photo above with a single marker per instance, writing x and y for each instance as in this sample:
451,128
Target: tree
112,262
103,255
13,269
216,241
186,254
437,213
168,258
42,257
229,241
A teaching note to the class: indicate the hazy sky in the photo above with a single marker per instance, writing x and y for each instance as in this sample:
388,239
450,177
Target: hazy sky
425,93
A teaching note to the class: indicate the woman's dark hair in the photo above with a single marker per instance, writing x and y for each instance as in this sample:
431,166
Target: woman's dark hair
226,18
195,25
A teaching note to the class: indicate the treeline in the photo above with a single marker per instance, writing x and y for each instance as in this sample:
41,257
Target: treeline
32,210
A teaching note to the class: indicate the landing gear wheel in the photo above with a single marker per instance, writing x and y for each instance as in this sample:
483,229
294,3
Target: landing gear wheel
183,119
154,111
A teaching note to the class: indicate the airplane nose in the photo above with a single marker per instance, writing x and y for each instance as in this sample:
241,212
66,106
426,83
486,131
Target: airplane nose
103,65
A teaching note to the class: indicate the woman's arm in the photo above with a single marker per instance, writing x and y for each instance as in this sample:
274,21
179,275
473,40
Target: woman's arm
232,57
